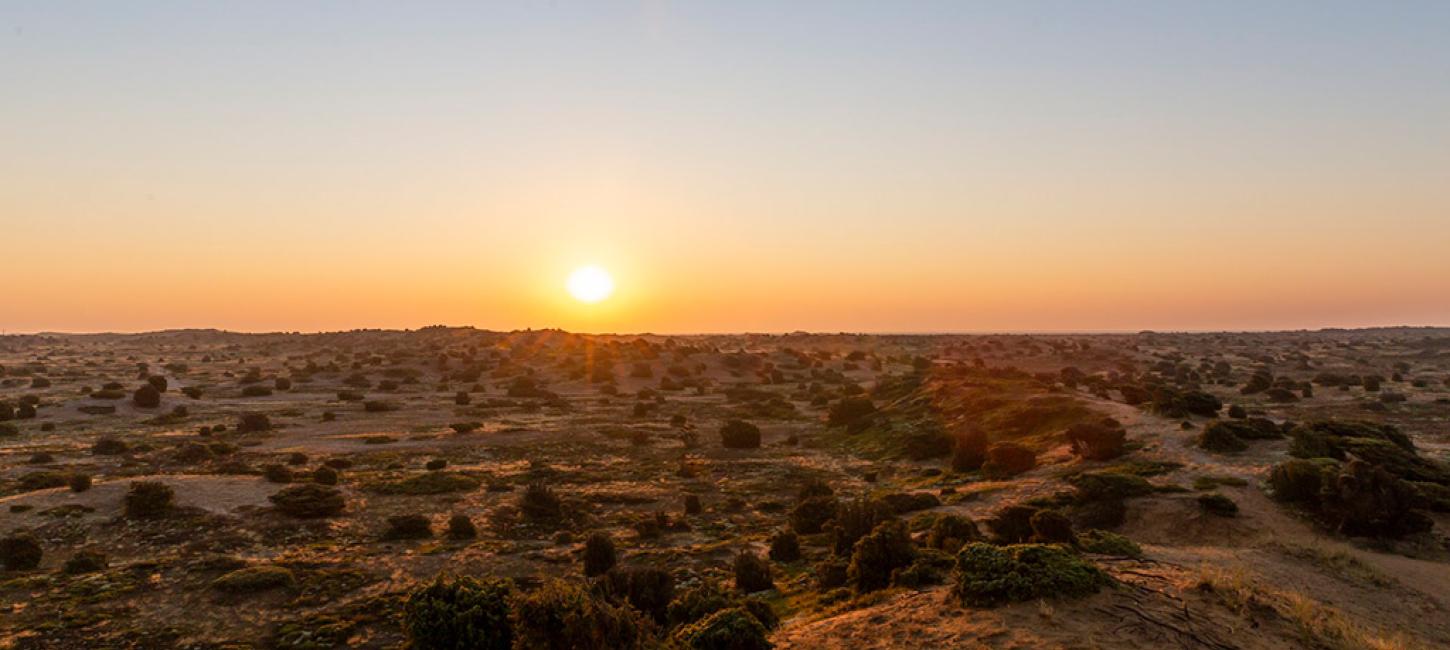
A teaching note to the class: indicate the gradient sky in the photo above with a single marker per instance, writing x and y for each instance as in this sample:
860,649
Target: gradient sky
879,166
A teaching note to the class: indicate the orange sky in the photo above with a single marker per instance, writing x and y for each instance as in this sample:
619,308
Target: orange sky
929,168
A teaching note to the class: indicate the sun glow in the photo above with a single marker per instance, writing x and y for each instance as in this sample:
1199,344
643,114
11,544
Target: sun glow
590,284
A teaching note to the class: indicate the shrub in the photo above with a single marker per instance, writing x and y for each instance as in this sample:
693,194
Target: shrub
43,480
831,573
8,430
561,615
147,499
428,483
108,446
436,464
752,574
648,589
785,546
254,579
256,390
1103,542
854,520
1102,440
739,434
1237,412
599,554
1051,527
84,561
79,482
1218,504
906,502
459,614
851,412
887,548
324,476
1365,500
540,503
1217,437
810,515
308,501
277,473
460,527
969,451
253,422
949,533
1012,524
465,427
409,527
282,383
1006,459
988,576
692,504
727,629
462,398
1109,485
20,552
379,406
146,397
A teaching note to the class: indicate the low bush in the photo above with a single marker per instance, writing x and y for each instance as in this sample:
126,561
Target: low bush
1218,504
308,501
969,450
254,579
811,514
988,576
460,613
460,528
561,615
1100,440
108,446
727,629
599,554
1051,527
752,573
785,546
1008,459
409,527
949,533
1103,542
648,589
875,556
20,552
148,499
739,434
253,422
84,561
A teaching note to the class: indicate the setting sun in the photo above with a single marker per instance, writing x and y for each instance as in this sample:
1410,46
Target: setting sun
590,284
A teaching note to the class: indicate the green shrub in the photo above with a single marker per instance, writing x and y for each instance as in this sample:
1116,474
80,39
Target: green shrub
948,533
830,573
1300,481
1012,524
1218,504
412,526
727,629
461,614
876,555
988,576
811,514
308,500
429,483
20,552
1008,459
1051,527
930,567
147,499
1108,485
84,561
752,574
460,527
1219,437
254,579
1103,542
739,434
785,546
563,616
854,520
648,589
599,554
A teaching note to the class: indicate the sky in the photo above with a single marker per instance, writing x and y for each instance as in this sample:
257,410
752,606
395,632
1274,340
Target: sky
738,166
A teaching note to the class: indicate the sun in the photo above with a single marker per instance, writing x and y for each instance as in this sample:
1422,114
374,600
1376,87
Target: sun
590,284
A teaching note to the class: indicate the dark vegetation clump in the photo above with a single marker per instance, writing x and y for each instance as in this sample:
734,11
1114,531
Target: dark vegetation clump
785,546
1218,504
877,555
739,434
854,520
811,514
84,561
412,526
79,482
648,589
969,451
1100,440
563,615
324,475
599,554
20,552
727,629
1008,459
107,446
146,397
277,473
460,613
253,422
988,576
148,499
752,573
853,413
949,533
309,501
254,579
460,527
539,503
1051,527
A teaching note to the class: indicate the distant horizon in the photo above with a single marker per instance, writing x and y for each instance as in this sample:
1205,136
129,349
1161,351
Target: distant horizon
220,330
